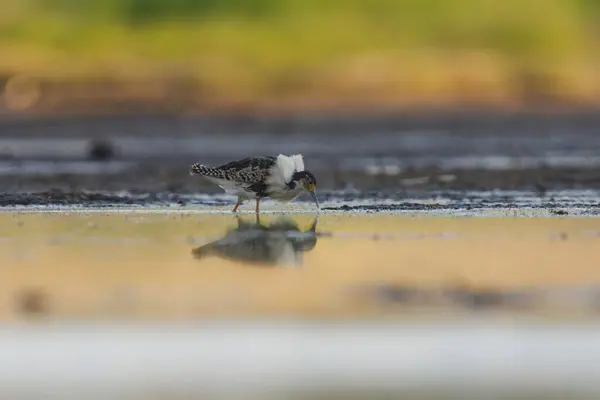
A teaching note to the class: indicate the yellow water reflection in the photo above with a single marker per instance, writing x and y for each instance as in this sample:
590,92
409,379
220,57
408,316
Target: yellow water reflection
280,243
144,265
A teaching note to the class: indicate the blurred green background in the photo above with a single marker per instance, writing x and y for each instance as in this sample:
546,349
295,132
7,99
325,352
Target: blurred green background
304,53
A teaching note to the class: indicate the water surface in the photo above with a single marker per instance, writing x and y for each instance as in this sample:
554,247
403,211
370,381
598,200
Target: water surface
138,265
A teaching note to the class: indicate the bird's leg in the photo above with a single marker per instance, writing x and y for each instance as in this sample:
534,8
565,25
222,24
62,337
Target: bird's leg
257,204
313,227
239,201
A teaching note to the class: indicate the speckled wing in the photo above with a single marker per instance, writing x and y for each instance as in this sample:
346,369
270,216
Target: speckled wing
247,170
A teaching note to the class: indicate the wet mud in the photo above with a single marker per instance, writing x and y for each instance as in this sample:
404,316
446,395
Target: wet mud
473,203
144,160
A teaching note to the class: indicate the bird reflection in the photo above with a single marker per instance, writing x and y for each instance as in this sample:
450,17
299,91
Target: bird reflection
280,243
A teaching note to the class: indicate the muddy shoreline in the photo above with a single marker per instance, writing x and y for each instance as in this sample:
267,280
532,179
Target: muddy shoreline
80,160
150,178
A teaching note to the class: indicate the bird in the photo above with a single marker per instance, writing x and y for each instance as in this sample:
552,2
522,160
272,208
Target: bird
281,178
280,243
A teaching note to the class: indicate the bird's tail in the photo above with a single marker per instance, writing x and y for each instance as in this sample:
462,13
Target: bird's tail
204,170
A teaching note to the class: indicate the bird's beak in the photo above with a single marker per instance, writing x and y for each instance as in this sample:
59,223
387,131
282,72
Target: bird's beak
314,196
310,188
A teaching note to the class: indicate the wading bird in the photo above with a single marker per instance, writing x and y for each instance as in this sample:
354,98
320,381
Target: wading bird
280,178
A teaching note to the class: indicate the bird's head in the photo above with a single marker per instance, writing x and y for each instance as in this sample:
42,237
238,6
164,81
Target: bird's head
308,182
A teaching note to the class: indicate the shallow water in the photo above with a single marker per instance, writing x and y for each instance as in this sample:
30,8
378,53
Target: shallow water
160,264
464,148
195,302
111,286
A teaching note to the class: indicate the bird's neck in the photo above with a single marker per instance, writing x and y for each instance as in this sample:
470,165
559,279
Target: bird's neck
291,185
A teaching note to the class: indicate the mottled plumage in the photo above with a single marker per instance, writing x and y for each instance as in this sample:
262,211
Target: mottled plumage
247,170
260,177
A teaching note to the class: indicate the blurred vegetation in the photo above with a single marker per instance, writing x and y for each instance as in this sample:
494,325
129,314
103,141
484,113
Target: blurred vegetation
254,48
